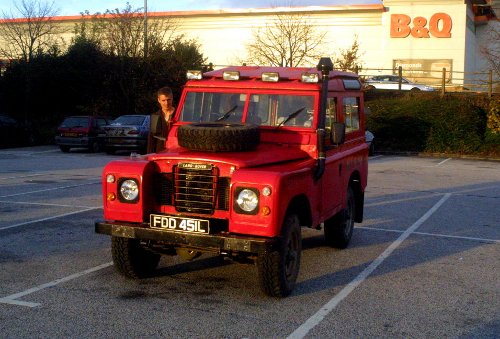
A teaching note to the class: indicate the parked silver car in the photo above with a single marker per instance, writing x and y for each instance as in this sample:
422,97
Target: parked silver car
127,132
392,82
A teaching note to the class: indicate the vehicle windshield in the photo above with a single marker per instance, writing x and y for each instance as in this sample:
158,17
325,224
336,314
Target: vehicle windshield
262,109
135,120
73,122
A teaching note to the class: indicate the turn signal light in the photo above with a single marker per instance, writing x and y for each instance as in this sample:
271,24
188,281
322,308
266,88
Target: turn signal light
266,211
111,197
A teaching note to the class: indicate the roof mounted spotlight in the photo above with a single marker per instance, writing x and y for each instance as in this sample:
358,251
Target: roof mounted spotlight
309,77
270,76
194,75
231,75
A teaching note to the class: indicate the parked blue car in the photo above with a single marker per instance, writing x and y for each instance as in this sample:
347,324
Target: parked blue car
127,132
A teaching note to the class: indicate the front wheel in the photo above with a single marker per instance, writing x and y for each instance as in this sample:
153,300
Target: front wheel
278,270
339,228
131,259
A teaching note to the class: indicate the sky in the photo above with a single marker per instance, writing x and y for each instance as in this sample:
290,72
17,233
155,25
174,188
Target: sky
75,7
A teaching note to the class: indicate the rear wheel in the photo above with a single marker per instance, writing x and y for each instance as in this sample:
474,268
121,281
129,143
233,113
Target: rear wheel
95,147
110,150
131,259
339,228
278,270
64,149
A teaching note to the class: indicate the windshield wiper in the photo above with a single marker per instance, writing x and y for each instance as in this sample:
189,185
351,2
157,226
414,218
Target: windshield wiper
227,114
291,116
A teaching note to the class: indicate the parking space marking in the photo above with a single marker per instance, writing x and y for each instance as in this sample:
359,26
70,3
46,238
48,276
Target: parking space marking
326,309
48,218
40,204
50,189
12,299
432,234
442,162
23,176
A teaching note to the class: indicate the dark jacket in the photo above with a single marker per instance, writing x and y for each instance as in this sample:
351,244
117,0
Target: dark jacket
158,131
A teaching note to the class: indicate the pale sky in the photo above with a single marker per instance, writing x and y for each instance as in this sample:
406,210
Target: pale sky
75,7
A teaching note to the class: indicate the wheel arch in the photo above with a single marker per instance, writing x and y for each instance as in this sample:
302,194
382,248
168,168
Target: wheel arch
301,206
359,195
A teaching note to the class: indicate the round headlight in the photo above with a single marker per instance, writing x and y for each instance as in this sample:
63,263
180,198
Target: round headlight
247,200
129,190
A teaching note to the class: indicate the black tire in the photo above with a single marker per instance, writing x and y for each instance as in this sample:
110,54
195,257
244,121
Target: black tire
218,137
110,150
131,259
278,270
94,147
371,151
415,89
64,149
339,228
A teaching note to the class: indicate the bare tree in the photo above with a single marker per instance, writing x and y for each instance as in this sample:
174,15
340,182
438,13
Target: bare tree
491,50
29,30
349,59
120,32
290,40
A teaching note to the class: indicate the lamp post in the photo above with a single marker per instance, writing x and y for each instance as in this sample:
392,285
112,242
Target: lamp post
145,28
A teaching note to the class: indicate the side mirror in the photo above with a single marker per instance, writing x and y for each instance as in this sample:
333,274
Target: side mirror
337,134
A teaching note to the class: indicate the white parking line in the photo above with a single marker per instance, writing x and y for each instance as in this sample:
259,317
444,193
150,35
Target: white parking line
23,176
41,204
48,218
442,162
432,234
12,299
49,189
326,309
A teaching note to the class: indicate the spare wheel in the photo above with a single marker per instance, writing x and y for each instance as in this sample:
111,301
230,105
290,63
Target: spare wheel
218,137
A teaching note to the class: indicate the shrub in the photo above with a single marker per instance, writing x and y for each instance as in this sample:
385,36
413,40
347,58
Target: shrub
426,122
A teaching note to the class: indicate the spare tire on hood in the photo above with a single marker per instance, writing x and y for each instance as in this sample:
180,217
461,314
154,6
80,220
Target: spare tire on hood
218,137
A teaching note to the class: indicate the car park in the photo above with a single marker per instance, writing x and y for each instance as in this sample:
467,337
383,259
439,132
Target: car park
127,132
391,82
81,131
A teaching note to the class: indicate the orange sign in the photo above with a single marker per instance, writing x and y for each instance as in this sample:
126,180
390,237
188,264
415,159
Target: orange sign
439,26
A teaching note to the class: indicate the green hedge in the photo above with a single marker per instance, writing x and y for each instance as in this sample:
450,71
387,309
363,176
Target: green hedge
427,122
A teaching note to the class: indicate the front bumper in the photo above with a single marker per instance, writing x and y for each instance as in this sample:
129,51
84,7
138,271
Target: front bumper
226,243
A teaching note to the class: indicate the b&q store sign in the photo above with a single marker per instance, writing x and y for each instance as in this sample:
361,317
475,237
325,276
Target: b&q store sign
438,26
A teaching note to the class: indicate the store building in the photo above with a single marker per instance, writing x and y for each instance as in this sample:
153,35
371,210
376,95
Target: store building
422,36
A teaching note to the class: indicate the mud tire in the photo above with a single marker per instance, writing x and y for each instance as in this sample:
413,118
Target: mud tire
218,137
131,260
339,228
278,270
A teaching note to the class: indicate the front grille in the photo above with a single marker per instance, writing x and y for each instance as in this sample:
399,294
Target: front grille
194,190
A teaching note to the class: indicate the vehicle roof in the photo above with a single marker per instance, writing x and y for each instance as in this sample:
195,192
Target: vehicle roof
285,73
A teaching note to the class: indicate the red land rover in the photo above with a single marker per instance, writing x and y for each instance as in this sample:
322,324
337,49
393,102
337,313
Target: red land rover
253,155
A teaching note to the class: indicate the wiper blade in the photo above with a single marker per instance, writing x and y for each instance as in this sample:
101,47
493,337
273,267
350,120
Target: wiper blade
227,114
291,116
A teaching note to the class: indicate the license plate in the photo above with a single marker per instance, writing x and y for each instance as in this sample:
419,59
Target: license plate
69,134
177,224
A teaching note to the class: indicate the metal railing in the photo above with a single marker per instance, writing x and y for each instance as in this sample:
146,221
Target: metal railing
448,81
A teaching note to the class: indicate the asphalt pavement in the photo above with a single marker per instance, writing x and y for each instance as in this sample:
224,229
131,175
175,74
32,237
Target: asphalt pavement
423,264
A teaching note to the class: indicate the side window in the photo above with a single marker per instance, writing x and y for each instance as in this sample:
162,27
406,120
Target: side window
331,111
350,106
